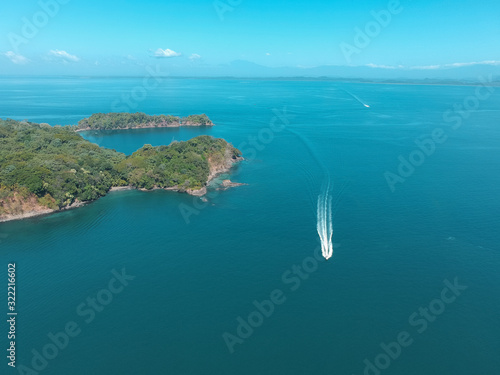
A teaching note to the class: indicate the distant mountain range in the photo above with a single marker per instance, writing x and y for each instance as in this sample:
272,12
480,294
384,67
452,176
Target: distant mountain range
246,69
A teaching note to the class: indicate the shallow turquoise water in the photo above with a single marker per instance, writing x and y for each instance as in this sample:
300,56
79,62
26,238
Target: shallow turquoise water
195,277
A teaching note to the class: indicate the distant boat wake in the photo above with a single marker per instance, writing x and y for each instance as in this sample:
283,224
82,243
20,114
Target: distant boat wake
356,98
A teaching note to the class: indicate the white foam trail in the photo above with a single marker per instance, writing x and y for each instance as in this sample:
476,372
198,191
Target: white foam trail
357,99
324,224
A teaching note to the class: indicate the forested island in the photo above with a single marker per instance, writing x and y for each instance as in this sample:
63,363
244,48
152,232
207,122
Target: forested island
139,120
45,169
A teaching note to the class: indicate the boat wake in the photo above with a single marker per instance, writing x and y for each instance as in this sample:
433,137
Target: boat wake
356,98
324,224
326,205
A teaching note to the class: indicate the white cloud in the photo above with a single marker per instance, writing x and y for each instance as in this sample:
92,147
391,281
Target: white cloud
434,67
16,58
268,54
194,56
65,56
384,66
457,65
426,67
165,53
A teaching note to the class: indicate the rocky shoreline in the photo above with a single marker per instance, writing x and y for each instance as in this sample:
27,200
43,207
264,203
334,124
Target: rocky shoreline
149,126
40,212
227,184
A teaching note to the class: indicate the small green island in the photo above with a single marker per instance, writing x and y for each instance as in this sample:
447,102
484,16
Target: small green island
46,168
139,120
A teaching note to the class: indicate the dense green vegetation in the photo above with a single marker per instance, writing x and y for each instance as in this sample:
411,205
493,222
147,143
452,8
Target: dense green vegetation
57,166
55,163
196,120
182,164
110,121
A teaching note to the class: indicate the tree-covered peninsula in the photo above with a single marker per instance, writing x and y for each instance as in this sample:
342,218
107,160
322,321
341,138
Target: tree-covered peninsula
139,120
45,168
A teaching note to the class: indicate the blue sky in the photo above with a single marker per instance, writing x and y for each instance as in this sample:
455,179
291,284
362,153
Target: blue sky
122,37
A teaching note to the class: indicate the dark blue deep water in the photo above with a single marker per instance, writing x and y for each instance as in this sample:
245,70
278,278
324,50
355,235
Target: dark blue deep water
199,266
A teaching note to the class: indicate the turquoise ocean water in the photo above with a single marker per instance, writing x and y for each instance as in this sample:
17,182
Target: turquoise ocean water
199,266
